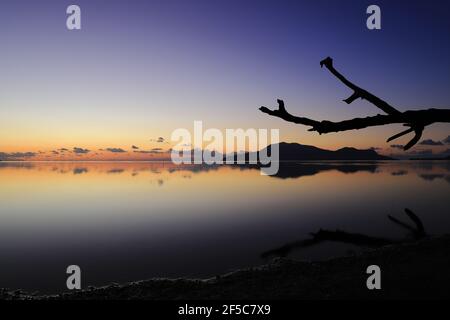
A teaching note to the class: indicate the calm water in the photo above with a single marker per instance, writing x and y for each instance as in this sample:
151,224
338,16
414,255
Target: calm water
129,221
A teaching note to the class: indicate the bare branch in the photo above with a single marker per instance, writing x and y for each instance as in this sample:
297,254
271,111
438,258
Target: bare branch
283,114
358,92
418,134
325,126
401,134
417,120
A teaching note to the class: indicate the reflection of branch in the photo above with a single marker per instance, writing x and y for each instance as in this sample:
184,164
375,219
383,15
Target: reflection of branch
418,231
417,120
328,235
357,239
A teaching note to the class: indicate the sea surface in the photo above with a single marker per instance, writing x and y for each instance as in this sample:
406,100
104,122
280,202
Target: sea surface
126,221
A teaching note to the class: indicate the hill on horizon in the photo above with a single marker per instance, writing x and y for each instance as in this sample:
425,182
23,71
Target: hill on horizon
299,152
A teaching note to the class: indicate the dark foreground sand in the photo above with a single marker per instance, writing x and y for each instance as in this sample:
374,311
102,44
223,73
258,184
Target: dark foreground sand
413,270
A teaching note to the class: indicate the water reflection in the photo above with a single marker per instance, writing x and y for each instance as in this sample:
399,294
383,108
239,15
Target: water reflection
297,170
440,169
415,232
123,221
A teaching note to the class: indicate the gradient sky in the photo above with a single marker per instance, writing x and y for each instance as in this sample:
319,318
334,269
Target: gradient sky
140,69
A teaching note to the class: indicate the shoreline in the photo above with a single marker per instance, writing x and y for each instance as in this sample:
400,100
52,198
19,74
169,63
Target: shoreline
417,270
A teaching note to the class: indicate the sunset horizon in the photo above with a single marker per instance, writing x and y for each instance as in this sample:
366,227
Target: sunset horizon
224,158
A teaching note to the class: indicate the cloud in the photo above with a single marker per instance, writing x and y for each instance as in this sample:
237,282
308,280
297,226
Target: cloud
159,140
147,151
152,151
16,155
134,147
63,150
430,142
55,152
397,146
80,150
23,154
446,140
115,150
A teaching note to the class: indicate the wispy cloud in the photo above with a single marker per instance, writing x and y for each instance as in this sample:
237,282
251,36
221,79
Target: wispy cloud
115,150
80,150
430,142
158,140
152,151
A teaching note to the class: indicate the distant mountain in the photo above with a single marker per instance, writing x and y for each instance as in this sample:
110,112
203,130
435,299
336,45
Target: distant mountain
300,152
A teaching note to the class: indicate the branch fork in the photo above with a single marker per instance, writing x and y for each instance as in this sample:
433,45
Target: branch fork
416,120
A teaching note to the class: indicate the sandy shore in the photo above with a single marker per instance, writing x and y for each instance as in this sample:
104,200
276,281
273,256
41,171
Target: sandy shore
413,270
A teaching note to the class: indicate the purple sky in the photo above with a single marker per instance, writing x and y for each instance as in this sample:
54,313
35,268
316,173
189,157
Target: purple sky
140,69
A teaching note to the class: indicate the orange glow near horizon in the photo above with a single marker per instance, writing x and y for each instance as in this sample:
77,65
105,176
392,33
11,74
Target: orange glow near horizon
47,141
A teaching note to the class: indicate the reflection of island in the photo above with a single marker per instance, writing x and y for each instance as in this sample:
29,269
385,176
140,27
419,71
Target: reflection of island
297,170
79,170
399,173
19,165
445,158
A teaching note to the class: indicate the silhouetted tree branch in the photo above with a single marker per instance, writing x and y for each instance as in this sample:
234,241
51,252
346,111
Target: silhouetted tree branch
416,120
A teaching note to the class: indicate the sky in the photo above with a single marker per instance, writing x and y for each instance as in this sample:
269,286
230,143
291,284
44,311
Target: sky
138,70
